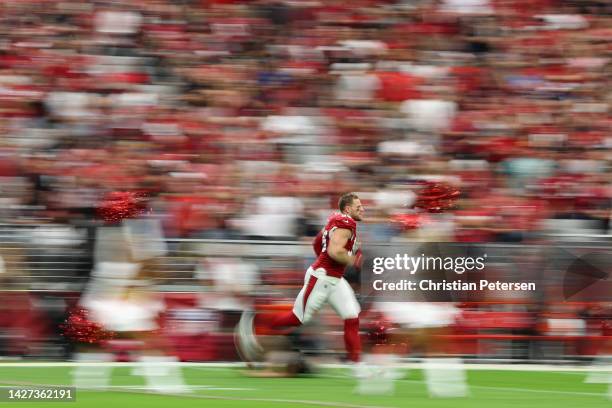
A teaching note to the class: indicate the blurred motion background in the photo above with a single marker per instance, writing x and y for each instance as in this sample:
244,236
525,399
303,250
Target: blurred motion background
238,124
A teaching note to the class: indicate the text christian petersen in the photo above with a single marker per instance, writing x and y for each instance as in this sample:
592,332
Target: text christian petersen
402,264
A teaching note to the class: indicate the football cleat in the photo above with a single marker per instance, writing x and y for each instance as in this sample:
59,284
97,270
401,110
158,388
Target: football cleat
247,346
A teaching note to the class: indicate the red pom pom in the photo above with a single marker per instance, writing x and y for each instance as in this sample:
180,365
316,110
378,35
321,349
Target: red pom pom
437,197
119,205
79,328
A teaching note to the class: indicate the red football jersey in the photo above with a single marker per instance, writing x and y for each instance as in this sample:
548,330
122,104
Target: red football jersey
324,261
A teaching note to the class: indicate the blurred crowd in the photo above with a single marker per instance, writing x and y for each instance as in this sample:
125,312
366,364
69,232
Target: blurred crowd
249,118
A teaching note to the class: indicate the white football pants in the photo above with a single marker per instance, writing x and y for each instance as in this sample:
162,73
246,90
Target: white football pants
318,289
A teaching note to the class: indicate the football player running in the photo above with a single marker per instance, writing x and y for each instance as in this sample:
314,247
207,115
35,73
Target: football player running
337,248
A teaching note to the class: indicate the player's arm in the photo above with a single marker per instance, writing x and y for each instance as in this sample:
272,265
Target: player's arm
336,249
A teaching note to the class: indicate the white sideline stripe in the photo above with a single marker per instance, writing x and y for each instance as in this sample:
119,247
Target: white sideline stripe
487,387
189,387
502,367
140,389
492,367
137,390
590,394
278,400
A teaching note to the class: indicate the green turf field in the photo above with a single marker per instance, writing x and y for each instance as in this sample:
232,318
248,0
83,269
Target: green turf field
228,387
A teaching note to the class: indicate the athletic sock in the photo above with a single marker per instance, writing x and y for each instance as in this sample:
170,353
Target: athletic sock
352,341
265,322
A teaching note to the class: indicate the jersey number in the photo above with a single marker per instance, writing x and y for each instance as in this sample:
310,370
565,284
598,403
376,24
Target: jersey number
324,241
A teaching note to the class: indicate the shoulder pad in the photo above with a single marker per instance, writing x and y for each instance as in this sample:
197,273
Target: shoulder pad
343,221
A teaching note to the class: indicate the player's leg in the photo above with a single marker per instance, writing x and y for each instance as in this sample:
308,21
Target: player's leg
251,325
317,289
295,317
273,323
343,300
89,375
311,298
429,328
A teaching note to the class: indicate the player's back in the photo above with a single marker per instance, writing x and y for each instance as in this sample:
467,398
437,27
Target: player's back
335,221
